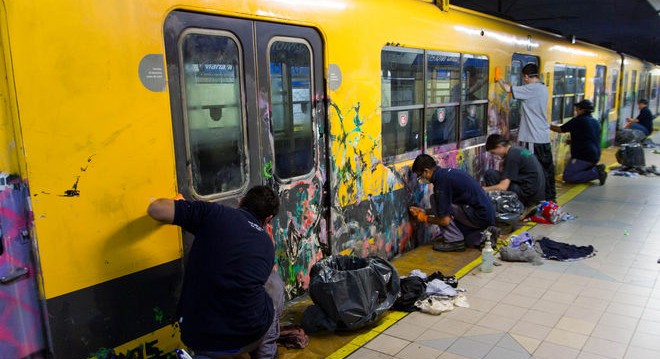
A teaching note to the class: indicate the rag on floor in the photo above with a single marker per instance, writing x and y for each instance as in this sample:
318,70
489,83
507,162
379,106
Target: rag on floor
563,251
293,337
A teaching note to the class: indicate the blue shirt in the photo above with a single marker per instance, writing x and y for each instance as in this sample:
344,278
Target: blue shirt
223,303
453,186
585,138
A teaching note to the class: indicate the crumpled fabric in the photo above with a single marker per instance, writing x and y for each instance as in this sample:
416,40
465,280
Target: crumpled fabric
438,287
563,251
418,273
523,237
293,337
437,304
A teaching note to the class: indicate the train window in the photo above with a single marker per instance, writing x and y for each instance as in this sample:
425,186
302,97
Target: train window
443,95
567,90
291,95
599,92
518,61
475,96
614,86
402,81
213,118
642,85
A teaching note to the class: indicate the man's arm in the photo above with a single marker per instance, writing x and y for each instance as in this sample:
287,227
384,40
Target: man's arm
421,216
162,210
556,128
502,186
505,86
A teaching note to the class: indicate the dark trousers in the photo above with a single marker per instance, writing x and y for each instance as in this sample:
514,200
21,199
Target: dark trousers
543,152
578,171
266,347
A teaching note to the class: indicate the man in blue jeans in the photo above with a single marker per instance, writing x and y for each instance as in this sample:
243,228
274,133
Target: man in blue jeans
231,299
585,146
644,121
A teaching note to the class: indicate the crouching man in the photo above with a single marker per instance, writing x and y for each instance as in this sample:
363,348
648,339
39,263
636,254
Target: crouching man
461,208
231,298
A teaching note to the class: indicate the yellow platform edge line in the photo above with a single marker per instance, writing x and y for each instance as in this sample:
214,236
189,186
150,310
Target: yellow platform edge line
394,316
390,319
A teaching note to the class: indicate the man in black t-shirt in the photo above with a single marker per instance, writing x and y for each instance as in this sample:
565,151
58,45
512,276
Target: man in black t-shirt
461,208
585,146
231,299
522,172
644,121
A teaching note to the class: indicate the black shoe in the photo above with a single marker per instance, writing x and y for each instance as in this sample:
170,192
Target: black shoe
449,246
602,174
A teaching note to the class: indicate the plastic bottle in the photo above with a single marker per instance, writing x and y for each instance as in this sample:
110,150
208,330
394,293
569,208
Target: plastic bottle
487,255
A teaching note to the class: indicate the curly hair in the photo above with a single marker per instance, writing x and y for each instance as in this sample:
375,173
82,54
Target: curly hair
262,201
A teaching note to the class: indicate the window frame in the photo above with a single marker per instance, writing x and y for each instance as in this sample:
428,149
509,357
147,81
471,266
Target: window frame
313,127
427,107
186,125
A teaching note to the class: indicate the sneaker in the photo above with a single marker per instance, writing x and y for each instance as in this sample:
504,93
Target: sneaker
449,246
602,174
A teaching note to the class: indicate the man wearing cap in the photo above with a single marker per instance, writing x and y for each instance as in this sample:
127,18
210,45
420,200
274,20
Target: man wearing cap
461,208
585,147
534,132
644,121
522,173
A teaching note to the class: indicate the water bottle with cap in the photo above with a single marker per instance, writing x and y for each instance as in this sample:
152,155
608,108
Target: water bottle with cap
487,255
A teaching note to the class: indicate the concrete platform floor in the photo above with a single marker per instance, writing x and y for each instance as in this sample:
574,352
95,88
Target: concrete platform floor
394,337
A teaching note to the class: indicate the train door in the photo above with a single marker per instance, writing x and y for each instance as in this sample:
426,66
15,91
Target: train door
626,103
600,102
633,90
247,109
518,61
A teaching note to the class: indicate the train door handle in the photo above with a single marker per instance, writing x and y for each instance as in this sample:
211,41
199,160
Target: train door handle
14,275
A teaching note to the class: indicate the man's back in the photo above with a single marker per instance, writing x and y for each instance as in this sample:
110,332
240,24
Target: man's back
454,186
534,126
585,138
223,302
522,168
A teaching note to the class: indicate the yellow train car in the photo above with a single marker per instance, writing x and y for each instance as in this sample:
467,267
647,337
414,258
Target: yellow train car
106,105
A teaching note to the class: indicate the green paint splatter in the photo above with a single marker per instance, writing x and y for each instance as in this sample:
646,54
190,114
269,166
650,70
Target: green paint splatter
158,315
268,170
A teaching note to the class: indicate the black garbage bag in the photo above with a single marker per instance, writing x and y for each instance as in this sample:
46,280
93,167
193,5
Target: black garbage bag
508,207
631,155
353,291
628,135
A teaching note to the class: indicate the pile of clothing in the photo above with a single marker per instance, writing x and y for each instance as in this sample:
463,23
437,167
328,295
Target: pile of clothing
523,248
433,294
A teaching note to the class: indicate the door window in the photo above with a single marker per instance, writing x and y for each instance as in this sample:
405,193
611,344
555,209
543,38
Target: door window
213,115
291,101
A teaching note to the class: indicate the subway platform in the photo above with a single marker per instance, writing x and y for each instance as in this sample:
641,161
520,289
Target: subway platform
606,306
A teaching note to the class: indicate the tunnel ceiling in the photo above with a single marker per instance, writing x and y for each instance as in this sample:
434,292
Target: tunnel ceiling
628,26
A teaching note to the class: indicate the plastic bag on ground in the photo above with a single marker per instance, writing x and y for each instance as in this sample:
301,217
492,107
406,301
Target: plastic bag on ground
508,207
354,291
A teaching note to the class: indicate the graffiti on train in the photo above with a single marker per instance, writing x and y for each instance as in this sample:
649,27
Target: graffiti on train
147,350
365,224
18,288
297,234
